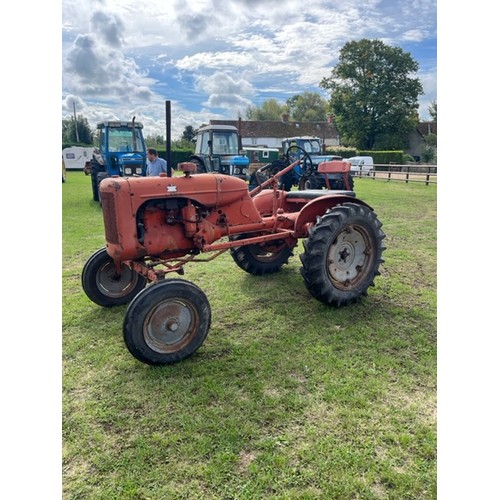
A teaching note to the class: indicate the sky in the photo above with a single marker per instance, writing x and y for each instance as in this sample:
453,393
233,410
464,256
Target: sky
214,58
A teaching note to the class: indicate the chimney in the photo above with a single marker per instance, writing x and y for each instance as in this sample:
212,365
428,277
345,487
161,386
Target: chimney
285,117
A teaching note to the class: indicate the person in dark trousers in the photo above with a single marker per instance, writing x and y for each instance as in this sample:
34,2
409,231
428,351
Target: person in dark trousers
155,164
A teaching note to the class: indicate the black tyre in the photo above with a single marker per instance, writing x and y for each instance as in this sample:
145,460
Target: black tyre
313,183
104,286
339,183
200,167
100,177
167,322
261,259
342,254
95,168
95,188
285,182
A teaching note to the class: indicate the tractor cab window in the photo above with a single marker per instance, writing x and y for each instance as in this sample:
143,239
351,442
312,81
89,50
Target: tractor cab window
122,140
202,144
311,147
225,143
307,147
316,147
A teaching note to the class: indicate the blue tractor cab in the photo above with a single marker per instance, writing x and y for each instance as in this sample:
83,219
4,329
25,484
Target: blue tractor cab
122,152
218,149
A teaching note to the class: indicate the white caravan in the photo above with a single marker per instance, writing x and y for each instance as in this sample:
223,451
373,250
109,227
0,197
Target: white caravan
76,157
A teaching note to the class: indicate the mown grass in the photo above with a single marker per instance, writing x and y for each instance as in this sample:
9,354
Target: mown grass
287,398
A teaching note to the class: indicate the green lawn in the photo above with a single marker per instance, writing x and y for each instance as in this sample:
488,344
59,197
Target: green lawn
287,398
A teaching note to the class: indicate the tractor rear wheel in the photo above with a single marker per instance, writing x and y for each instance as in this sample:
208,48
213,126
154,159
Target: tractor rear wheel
342,254
104,286
167,322
261,259
339,183
313,182
95,168
200,167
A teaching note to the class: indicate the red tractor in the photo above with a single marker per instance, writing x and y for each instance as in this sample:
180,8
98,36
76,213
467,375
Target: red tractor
157,225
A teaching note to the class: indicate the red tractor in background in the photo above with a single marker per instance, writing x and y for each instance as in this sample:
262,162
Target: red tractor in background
155,226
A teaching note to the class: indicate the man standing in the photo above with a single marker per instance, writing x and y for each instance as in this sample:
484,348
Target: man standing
155,164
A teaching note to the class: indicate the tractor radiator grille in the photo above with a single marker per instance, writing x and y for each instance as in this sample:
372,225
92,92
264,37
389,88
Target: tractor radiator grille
109,213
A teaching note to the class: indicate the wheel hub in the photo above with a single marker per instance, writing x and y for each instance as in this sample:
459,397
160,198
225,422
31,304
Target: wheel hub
346,256
169,324
113,284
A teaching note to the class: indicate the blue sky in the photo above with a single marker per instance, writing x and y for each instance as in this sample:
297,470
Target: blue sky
214,58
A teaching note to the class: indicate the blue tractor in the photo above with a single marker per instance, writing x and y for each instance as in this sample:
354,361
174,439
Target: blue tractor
122,152
218,149
305,175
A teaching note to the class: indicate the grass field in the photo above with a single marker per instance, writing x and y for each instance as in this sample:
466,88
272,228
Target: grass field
287,398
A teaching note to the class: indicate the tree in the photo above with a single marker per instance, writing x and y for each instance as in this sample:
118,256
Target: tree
183,145
188,134
433,110
270,110
154,140
307,107
69,128
373,98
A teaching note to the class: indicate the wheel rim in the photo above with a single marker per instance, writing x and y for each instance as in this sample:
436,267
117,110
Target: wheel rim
349,257
171,325
115,285
267,253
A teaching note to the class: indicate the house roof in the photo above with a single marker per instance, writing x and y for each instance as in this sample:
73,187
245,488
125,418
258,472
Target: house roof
274,128
426,128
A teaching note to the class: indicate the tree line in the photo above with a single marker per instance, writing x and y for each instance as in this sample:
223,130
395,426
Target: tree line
373,101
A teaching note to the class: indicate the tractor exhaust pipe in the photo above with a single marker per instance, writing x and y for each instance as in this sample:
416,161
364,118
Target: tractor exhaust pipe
168,138
134,138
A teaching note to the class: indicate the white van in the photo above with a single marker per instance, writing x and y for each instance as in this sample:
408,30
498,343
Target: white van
76,157
361,164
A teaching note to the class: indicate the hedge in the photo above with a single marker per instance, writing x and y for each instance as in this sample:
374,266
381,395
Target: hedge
178,156
384,157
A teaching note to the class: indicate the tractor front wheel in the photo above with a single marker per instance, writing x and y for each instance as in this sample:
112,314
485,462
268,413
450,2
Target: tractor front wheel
105,286
167,322
342,254
261,259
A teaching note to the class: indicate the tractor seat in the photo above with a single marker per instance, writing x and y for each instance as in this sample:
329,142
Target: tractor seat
312,194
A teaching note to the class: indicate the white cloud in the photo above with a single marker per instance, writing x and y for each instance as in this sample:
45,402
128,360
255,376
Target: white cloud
214,60
219,56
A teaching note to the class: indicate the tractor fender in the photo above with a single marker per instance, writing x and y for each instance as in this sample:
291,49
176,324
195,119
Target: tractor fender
318,207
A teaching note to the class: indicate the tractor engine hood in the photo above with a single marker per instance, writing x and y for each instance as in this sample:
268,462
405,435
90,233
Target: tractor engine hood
131,157
242,161
208,190
123,198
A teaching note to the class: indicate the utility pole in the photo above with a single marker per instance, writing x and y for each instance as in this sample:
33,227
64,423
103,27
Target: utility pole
76,124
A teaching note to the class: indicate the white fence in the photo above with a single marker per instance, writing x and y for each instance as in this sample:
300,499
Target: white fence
404,173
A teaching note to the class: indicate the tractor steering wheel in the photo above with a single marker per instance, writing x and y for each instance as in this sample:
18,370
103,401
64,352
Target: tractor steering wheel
294,153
